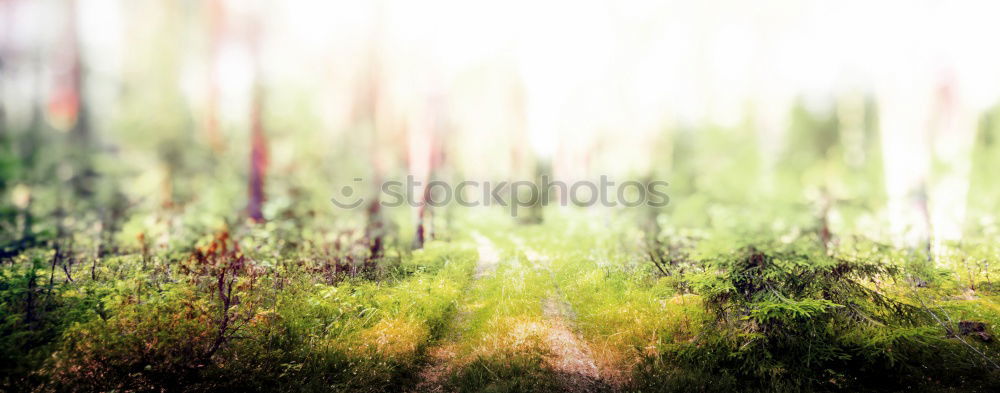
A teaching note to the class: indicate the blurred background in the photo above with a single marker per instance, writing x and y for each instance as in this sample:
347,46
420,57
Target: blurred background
152,116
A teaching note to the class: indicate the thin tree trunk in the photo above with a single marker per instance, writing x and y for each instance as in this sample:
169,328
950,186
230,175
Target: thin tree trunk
258,162
258,148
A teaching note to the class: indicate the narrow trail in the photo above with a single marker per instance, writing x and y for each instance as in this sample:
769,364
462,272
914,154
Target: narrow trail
567,354
433,377
489,256
572,358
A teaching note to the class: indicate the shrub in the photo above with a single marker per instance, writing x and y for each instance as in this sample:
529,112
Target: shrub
164,338
790,317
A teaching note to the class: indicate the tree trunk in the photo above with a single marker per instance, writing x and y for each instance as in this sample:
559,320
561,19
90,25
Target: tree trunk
258,161
258,148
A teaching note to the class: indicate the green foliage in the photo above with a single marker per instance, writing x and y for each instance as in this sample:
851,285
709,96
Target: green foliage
505,373
356,335
36,314
790,317
151,342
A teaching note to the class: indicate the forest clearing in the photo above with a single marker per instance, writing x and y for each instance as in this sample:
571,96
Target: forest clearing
471,196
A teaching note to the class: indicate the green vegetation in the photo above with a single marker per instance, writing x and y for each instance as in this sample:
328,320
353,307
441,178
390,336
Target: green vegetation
703,295
576,301
172,206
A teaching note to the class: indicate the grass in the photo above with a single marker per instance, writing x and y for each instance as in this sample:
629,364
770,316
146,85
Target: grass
502,334
570,305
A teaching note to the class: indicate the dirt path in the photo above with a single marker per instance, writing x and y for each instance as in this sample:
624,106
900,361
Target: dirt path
571,356
489,256
433,377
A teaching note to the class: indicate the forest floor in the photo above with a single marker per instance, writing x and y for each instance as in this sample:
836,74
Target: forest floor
560,307
525,322
574,304
565,352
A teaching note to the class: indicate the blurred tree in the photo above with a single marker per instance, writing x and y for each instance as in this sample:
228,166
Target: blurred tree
258,141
